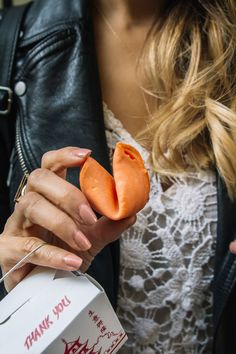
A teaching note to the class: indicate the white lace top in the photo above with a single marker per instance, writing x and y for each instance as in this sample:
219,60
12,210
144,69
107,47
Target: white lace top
165,298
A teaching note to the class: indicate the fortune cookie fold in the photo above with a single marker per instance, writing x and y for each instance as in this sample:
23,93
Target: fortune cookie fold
121,195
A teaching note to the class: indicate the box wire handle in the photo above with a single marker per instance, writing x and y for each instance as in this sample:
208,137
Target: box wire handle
22,261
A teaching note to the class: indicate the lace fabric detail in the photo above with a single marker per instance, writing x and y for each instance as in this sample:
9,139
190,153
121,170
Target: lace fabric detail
165,298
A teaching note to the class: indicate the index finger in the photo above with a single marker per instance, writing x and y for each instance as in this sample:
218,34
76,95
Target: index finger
59,160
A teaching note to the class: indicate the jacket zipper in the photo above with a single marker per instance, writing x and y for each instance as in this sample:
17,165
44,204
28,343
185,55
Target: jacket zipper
19,152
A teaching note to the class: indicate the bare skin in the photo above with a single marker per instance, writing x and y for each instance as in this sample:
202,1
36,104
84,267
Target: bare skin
121,27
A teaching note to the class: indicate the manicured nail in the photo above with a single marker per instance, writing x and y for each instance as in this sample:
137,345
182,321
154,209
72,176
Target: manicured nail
82,241
81,153
73,262
87,215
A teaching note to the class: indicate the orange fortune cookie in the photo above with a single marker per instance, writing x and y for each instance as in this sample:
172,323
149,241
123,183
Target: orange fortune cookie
124,194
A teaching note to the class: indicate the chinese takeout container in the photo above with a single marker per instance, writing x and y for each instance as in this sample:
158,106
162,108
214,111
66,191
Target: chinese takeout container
58,312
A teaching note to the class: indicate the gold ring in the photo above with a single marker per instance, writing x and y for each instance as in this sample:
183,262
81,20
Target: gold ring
21,189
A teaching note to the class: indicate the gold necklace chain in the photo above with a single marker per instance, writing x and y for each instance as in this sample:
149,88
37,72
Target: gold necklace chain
112,30
100,12
115,34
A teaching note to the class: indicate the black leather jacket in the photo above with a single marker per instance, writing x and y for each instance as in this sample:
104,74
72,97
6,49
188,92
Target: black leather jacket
61,105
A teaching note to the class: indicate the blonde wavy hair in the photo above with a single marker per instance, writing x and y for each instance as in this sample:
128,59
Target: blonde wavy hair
190,61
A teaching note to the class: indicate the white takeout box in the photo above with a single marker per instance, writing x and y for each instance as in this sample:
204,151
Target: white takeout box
57,312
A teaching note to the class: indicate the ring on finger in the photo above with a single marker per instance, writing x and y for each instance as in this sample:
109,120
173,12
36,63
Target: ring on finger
21,189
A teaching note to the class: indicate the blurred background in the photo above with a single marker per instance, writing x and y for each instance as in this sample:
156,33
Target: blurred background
15,2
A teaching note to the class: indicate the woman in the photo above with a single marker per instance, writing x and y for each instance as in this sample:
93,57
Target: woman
166,74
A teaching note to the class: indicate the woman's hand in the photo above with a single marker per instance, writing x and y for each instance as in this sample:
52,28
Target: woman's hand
54,211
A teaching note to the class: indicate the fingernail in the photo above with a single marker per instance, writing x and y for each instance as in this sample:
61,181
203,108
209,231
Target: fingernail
87,215
73,262
232,247
81,153
82,241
